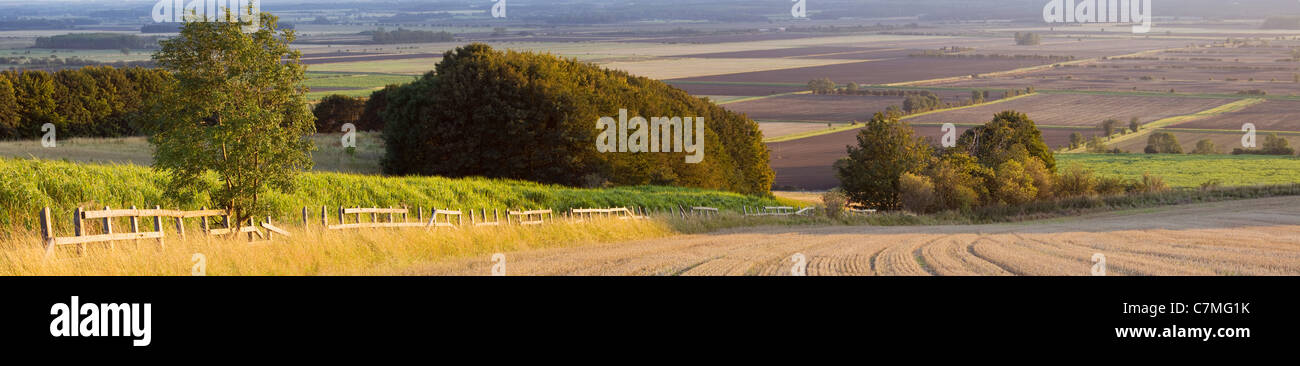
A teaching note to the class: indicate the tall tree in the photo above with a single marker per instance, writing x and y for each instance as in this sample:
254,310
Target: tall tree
8,110
886,149
237,109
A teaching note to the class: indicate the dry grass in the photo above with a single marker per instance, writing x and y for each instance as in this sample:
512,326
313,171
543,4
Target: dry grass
677,68
314,251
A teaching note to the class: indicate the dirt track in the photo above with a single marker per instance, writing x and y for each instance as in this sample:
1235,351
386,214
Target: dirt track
1252,237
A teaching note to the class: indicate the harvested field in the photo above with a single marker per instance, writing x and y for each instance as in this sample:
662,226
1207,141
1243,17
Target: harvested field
827,108
1249,237
738,89
778,129
1224,140
807,107
1271,115
815,52
807,163
1201,70
1079,110
677,68
877,72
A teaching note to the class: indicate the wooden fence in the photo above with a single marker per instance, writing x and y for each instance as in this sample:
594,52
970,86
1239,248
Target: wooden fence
80,238
378,218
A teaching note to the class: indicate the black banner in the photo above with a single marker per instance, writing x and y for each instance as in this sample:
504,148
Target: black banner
355,314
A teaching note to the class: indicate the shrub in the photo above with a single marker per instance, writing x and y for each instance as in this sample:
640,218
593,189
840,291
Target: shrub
835,200
990,142
371,118
1014,185
959,181
1205,147
1075,182
1109,186
335,110
917,193
1044,180
1148,184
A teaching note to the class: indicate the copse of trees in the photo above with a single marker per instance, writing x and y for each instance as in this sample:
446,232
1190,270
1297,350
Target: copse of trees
1028,39
1002,163
333,111
95,101
1272,145
402,35
531,116
1163,143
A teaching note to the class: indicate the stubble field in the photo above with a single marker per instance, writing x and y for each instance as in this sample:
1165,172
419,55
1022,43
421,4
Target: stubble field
1251,237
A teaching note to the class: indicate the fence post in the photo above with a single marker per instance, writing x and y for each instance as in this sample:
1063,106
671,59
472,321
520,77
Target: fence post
108,229
343,220
77,230
135,226
419,214
47,231
270,235
471,216
390,215
203,222
460,219
180,227
324,218
157,226
304,217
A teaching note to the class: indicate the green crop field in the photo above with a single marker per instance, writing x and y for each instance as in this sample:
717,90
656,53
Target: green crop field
351,84
1192,170
26,185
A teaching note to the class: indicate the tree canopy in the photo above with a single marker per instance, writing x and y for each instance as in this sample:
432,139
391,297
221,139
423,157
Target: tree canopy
237,108
533,116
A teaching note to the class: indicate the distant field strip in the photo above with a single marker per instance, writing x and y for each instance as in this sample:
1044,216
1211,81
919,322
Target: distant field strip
1251,237
1150,127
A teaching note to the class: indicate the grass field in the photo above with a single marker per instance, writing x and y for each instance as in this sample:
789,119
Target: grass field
1192,170
26,185
329,156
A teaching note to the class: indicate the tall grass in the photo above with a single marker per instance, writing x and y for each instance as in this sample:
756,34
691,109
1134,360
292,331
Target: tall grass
28,185
314,251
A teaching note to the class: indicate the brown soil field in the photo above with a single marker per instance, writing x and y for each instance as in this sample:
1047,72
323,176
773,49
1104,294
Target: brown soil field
877,72
1079,110
828,108
1248,237
807,107
1225,141
815,52
808,163
1191,70
736,89
1271,115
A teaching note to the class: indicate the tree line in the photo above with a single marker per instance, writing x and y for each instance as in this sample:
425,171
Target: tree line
402,35
95,101
96,41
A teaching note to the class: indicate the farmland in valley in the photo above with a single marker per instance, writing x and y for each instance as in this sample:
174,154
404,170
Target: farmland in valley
1272,115
1079,110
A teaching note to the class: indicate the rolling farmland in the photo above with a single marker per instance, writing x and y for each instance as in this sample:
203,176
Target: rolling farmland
1180,240
1271,115
1077,110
